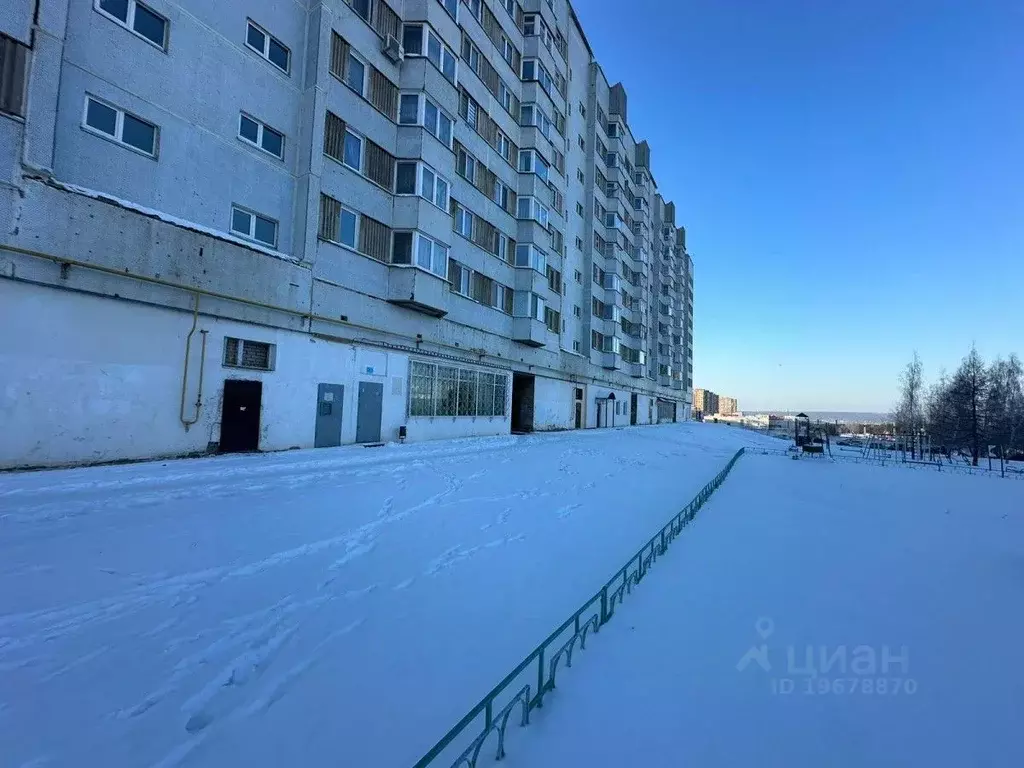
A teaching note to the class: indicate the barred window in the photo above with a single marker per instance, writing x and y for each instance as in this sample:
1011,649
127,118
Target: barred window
467,392
421,389
485,395
447,390
244,353
500,390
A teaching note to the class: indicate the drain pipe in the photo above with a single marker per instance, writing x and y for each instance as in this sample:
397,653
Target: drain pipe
202,363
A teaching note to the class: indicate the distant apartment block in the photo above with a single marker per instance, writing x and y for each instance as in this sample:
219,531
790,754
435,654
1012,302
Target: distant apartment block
259,225
708,403
705,402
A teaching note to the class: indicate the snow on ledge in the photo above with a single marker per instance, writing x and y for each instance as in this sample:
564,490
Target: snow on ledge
173,220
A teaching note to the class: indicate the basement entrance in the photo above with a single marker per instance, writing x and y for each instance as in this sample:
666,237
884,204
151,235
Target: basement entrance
522,403
240,416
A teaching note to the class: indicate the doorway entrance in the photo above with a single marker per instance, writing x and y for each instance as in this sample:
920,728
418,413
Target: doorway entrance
329,401
606,411
632,409
240,416
579,407
368,411
522,403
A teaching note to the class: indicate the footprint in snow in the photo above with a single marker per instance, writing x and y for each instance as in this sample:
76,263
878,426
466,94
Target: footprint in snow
567,510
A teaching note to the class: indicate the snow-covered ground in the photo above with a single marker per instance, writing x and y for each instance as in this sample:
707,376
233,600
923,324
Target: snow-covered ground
907,586
337,607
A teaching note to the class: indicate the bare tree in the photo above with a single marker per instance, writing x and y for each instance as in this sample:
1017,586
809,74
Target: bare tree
909,413
939,413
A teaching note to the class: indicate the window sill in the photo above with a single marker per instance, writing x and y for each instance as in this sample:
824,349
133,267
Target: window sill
250,239
236,367
259,149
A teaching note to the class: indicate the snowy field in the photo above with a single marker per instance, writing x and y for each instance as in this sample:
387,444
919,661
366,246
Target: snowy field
338,607
911,578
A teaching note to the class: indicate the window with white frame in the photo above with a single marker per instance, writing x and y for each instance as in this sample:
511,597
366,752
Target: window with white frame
409,109
503,145
501,246
114,123
532,114
452,6
417,178
416,249
527,304
471,54
362,7
421,40
504,96
463,222
532,69
353,153
268,46
501,193
344,229
532,208
434,187
356,73
502,299
465,165
406,177
531,161
458,277
137,18
529,255
417,109
253,226
431,255
261,135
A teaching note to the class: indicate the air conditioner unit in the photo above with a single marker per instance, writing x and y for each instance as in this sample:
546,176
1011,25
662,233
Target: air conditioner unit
393,49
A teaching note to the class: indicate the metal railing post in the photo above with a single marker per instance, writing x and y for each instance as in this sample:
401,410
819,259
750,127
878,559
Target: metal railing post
540,678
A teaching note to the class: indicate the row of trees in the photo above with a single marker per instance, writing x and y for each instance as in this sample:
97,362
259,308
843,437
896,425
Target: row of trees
978,406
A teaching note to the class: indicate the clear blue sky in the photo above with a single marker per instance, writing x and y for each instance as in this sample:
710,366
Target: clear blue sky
851,177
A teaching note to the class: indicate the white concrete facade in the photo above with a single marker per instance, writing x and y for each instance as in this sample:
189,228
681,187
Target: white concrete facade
105,250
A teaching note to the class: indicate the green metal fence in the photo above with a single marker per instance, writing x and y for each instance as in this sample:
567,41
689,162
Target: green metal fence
524,688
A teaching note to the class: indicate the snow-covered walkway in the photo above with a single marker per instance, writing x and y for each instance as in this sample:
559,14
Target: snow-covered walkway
340,607
907,586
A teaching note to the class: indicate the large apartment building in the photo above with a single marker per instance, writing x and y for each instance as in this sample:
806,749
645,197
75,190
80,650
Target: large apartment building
705,402
248,224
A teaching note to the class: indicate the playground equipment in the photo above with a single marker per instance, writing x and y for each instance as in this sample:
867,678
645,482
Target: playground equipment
810,439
